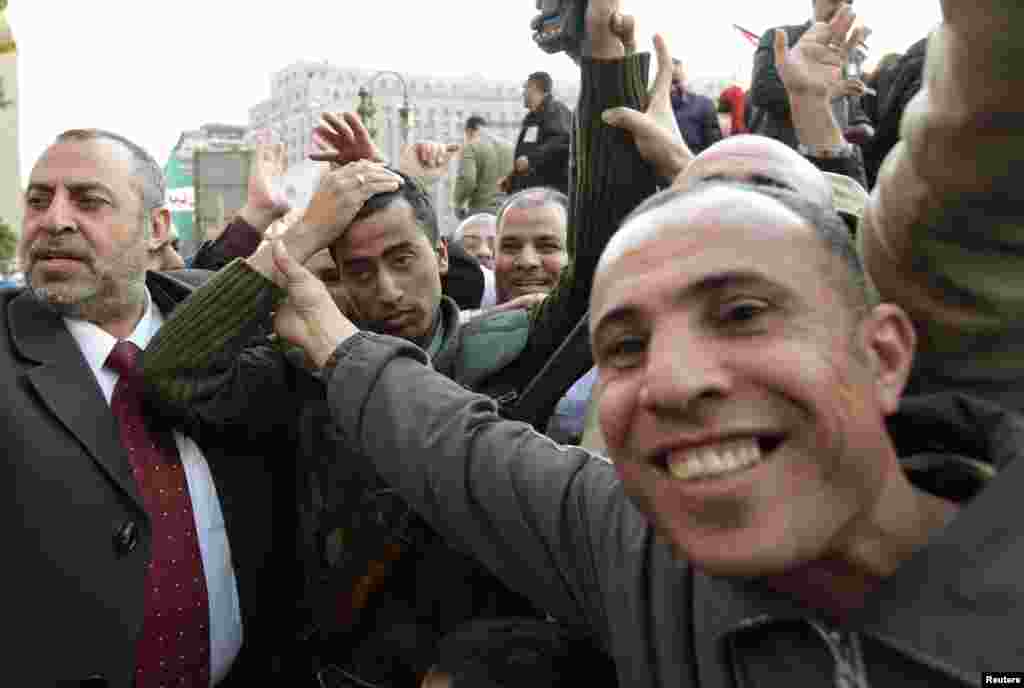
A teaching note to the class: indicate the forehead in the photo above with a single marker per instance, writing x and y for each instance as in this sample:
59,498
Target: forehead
677,246
373,236
81,162
756,159
481,230
535,221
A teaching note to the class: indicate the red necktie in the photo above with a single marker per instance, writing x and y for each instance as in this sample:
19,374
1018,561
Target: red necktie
174,647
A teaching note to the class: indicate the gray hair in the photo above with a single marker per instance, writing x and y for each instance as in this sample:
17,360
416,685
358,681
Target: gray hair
149,177
535,197
479,219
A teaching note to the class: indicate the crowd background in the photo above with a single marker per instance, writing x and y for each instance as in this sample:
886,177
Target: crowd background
354,443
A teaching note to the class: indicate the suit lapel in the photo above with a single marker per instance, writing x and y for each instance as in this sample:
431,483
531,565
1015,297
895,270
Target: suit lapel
68,388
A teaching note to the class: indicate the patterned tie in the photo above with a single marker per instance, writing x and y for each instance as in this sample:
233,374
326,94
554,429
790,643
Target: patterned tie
174,647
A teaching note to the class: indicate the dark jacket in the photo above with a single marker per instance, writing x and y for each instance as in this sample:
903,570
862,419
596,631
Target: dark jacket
556,524
77,534
238,240
548,153
697,117
205,363
770,114
464,283
896,87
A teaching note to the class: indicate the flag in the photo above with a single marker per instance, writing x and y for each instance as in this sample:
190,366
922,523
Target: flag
749,35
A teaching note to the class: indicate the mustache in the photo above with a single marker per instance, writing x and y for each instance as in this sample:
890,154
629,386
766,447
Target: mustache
49,251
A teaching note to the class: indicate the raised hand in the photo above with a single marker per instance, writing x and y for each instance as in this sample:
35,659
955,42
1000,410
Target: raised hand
342,138
265,200
340,196
427,161
814,66
605,30
525,302
655,130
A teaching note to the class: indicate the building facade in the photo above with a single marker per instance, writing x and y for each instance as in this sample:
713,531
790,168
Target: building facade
440,105
179,172
10,162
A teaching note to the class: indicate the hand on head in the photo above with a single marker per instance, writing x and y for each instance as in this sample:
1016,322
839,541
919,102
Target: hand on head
342,193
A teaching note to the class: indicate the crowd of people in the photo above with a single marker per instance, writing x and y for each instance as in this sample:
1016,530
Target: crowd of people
667,406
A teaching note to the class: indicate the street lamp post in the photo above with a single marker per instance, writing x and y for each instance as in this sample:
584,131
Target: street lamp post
368,109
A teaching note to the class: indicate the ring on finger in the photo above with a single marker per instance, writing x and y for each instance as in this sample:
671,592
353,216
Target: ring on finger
361,180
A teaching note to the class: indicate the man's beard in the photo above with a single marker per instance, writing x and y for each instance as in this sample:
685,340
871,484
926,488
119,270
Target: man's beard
111,289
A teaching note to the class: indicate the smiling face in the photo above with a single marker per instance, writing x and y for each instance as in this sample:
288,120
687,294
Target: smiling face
391,272
736,398
85,242
531,251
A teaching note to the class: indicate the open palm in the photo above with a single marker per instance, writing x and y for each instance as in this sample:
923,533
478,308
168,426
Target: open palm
342,139
814,66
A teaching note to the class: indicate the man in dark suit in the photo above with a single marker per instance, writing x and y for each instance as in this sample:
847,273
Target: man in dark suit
542,149
117,521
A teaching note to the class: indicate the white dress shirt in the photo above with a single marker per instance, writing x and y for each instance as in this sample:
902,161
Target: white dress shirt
490,296
225,612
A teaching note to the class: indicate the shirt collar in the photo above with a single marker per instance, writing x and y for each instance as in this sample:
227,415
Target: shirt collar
96,343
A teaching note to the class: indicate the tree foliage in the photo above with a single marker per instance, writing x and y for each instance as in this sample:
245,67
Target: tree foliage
8,245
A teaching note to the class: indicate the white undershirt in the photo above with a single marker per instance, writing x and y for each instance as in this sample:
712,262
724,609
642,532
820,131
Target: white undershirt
225,613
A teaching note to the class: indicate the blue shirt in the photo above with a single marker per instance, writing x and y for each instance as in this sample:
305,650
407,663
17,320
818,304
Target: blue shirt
695,115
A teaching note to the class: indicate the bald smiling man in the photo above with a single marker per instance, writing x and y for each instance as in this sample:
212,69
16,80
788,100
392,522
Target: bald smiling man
779,511
768,493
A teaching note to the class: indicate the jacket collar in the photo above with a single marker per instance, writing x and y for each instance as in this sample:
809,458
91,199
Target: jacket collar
66,384
444,359
946,607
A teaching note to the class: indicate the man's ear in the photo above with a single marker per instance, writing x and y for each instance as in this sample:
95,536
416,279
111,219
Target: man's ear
160,228
888,340
442,257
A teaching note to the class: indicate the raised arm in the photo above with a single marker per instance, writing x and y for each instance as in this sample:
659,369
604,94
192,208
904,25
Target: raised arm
812,74
610,179
944,233
265,203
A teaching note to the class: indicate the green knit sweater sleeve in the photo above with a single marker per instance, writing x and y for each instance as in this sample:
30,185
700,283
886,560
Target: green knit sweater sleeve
609,180
196,348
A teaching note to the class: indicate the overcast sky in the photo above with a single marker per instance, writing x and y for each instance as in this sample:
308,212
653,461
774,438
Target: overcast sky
150,70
